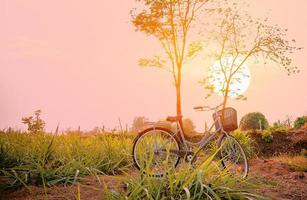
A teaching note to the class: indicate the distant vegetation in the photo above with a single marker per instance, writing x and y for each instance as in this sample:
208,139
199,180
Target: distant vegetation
253,121
300,121
34,123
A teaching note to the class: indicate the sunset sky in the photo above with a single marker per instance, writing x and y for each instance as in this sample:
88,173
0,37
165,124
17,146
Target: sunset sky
77,61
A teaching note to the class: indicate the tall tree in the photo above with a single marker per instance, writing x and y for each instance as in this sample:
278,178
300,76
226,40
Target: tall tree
240,37
170,22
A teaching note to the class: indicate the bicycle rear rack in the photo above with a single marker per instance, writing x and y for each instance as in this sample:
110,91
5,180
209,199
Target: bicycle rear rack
153,125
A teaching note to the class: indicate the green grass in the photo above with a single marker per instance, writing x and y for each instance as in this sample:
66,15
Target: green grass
44,159
244,139
203,182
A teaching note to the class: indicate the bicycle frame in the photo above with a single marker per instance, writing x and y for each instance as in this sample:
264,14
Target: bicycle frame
207,135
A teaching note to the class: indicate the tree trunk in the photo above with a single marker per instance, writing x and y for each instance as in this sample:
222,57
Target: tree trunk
178,107
178,95
225,99
178,100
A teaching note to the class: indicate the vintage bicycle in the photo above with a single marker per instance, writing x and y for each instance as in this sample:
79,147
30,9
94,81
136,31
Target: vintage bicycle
157,149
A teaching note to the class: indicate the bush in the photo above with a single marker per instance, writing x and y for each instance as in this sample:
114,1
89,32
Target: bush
267,136
251,121
300,121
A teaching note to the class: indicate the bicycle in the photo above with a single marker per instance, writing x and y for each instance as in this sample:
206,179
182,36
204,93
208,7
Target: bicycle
157,148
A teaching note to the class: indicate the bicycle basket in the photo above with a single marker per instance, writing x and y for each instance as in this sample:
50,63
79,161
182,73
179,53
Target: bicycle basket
230,119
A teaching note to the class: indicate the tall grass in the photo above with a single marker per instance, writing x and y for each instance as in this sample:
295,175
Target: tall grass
44,159
204,182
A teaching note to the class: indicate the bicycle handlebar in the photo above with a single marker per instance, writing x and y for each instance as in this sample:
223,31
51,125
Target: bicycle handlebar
198,108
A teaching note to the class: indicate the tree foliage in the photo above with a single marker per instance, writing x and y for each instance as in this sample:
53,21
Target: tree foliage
253,121
34,123
170,22
243,38
138,123
188,125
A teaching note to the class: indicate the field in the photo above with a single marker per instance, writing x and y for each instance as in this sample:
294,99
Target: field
120,66
99,166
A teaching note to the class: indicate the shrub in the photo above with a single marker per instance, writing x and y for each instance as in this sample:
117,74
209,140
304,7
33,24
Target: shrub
251,121
300,121
267,136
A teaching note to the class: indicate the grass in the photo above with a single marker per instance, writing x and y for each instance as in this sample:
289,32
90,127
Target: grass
296,163
204,182
244,139
45,160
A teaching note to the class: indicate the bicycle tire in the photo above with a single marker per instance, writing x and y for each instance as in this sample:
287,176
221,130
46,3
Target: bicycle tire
222,157
142,134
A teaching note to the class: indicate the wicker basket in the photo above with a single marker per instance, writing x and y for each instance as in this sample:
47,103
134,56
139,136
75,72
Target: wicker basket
230,119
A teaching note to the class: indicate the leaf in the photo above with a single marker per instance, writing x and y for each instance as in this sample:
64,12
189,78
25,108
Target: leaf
153,62
194,48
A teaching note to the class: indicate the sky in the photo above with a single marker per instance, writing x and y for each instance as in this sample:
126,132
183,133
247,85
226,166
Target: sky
77,61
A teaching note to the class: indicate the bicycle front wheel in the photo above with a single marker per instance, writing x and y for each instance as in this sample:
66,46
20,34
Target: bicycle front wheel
155,151
233,157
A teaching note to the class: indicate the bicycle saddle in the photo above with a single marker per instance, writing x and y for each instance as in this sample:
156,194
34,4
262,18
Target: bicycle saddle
173,118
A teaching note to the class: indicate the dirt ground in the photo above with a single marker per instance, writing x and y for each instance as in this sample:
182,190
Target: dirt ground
282,181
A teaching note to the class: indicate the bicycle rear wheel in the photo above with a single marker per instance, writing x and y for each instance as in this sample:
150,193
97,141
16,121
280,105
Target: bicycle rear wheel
233,157
154,151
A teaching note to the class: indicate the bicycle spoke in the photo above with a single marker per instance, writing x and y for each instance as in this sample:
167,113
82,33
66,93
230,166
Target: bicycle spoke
233,156
152,152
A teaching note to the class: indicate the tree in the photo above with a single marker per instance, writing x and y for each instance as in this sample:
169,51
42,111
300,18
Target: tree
170,22
138,123
240,38
188,125
253,121
35,123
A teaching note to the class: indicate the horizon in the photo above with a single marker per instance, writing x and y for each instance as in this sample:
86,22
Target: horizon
78,63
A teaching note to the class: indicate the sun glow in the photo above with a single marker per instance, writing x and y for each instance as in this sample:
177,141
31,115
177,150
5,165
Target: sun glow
239,82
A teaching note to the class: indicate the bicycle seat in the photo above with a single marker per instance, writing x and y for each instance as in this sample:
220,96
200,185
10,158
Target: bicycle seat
173,118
